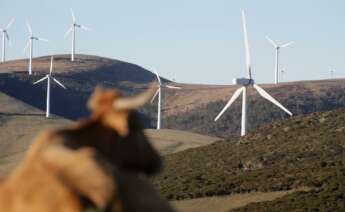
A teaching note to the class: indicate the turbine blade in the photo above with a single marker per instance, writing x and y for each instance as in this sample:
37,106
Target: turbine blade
7,37
154,96
51,64
246,45
10,23
287,44
158,78
264,94
59,83
172,87
68,31
233,98
26,46
42,39
29,27
85,28
40,80
271,41
73,17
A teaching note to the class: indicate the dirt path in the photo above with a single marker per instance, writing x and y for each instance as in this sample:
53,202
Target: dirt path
226,203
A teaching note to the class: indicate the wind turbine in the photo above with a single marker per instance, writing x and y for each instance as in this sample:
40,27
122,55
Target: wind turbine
159,93
29,45
72,29
332,73
277,48
282,73
245,83
49,77
4,37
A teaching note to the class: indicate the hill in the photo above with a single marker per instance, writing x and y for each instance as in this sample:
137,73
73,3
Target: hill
304,151
191,109
195,107
20,123
80,77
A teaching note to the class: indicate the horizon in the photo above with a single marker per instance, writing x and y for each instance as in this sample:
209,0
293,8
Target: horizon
201,37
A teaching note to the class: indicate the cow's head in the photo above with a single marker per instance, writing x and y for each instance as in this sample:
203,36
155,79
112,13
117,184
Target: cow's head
124,141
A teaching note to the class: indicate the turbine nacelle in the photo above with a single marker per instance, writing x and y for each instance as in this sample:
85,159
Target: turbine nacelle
243,81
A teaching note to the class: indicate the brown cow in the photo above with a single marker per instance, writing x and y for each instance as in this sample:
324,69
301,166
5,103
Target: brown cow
83,160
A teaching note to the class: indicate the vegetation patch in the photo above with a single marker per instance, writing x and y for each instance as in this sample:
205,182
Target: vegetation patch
303,151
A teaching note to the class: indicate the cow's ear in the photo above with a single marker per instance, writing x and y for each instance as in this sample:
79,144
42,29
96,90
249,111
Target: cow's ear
95,98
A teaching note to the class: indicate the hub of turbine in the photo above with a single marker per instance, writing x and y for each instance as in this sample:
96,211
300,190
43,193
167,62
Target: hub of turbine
243,81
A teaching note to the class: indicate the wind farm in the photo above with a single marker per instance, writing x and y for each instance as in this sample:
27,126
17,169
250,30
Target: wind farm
106,107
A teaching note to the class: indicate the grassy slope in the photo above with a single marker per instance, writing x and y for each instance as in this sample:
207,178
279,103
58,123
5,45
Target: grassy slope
303,151
171,141
20,123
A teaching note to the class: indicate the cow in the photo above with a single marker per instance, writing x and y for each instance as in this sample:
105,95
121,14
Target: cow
84,161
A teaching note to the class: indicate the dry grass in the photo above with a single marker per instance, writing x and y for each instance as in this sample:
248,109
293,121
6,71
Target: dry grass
227,203
171,141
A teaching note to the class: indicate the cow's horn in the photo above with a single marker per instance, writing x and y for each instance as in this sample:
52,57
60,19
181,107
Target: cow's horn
128,103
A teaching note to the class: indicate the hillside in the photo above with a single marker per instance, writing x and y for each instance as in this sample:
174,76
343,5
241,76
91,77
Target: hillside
191,109
80,77
171,141
195,107
21,123
305,151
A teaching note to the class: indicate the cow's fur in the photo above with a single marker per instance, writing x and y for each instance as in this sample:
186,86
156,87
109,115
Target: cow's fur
81,161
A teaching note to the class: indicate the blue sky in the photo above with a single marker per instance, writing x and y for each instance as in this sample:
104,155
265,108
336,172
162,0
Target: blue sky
197,41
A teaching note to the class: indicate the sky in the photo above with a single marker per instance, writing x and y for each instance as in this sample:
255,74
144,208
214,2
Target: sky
194,41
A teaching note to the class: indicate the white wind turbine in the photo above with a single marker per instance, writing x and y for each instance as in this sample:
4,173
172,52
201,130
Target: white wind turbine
72,29
29,45
245,83
282,73
4,37
159,93
332,73
277,48
49,77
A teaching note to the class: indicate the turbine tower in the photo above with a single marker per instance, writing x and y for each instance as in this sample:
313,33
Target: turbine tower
72,29
332,73
245,83
277,48
4,37
29,45
282,73
49,77
159,94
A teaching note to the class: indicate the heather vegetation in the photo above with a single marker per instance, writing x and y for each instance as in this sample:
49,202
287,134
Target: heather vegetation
305,151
